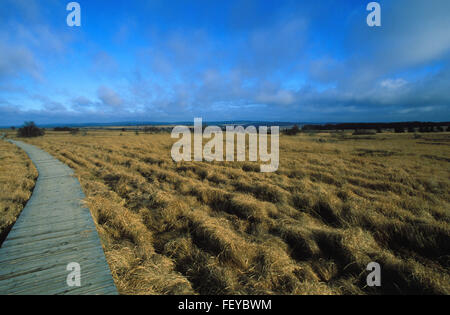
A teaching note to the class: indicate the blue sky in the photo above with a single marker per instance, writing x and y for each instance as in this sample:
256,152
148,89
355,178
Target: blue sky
173,60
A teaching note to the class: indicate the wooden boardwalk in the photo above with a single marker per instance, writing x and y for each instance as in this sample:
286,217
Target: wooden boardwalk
53,230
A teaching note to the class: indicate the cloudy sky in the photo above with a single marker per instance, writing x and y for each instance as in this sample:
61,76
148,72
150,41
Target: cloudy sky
173,60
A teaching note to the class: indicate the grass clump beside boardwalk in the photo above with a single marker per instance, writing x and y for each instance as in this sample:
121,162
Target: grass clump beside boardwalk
310,228
17,179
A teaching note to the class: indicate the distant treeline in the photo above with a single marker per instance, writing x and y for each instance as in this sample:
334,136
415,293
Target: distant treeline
377,126
65,129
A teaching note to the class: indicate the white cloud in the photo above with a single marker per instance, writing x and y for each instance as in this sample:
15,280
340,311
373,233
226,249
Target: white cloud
16,61
393,83
109,97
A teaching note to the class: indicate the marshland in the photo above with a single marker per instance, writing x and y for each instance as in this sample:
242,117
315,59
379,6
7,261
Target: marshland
337,202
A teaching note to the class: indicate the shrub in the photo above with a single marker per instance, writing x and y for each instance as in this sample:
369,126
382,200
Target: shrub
364,132
151,129
62,129
29,130
292,131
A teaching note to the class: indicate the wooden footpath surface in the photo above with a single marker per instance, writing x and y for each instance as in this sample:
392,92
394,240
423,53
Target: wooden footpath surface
53,230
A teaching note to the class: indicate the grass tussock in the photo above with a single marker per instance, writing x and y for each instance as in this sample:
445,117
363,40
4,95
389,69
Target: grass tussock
17,179
334,205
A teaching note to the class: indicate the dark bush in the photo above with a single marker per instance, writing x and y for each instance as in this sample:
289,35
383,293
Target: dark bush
29,130
62,129
292,131
151,129
74,131
362,132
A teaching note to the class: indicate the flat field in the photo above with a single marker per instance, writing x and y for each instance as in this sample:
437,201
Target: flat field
336,203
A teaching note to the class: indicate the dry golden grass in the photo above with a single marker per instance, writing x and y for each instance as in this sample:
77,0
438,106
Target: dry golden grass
17,179
337,203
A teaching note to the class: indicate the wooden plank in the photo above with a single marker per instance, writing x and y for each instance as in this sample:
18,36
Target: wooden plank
27,250
55,274
53,230
59,284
